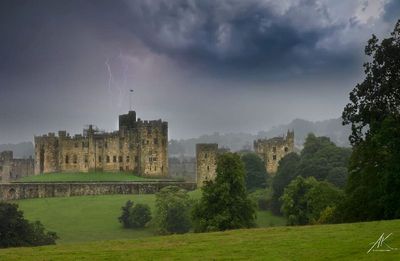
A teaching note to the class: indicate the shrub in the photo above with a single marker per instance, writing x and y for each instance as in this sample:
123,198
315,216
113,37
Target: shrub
16,231
173,210
135,216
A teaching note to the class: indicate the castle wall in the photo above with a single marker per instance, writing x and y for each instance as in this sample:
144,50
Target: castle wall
273,150
206,162
12,169
15,191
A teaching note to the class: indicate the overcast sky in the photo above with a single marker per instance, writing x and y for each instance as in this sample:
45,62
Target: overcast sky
203,66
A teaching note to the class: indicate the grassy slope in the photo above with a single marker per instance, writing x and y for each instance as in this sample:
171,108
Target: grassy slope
90,218
85,177
333,242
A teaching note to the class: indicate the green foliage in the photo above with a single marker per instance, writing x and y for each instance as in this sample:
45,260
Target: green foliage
287,171
256,175
15,230
320,159
261,198
173,206
373,112
135,215
224,204
305,198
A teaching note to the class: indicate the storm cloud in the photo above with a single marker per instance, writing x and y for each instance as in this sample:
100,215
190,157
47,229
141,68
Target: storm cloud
204,66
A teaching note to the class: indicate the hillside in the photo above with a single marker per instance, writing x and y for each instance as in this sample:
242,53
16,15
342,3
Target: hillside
333,242
332,128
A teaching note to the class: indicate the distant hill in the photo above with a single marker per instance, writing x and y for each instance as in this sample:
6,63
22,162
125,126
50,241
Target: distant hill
332,128
21,150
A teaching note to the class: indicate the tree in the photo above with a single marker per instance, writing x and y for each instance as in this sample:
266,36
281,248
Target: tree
16,231
305,199
374,115
225,204
173,210
256,175
287,171
135,215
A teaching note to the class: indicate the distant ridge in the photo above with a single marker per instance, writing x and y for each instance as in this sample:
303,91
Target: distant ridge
21,150
331,128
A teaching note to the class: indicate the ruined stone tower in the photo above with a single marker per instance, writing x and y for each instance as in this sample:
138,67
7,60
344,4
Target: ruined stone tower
206,160
138,146
273,150
12,169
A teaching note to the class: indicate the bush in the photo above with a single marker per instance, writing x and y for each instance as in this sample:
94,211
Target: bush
261,198
173,211
135,216
16,231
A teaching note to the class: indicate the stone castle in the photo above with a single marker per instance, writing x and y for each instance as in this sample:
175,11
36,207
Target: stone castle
12,169
138,146
273,150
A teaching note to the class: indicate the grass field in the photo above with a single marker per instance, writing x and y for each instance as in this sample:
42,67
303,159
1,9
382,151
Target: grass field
91,218
320,242
83,177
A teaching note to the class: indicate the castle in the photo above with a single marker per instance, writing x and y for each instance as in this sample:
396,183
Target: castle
138,146
12,169
274,149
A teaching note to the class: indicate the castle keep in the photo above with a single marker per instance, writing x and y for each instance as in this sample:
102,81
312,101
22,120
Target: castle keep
273,150
206,161
138,146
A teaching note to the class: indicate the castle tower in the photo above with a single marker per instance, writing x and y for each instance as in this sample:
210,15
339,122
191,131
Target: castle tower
273,150
206,159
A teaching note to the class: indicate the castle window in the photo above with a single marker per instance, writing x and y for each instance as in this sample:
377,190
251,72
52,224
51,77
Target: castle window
148,142
121,145
86,158
205,155
108,159
114,158
274,157
75,159
127,158
208,168
274,149
155,141
99,158
66,159
286,149
120,159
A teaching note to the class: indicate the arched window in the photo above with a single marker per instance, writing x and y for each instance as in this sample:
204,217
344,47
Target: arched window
75,159
66,159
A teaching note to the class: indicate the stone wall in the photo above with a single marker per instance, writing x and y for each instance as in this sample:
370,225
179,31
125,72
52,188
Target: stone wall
15,191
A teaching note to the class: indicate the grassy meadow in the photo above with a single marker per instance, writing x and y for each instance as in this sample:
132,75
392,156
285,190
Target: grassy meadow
319,242
84,177
91,218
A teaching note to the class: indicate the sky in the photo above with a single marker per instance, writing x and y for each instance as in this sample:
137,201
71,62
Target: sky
202,65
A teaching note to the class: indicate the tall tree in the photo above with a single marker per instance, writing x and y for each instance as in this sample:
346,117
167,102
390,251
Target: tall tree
373,189
225,203
256,175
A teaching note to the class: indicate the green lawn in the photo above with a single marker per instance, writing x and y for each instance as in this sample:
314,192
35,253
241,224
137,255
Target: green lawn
322,242
91,218
84,177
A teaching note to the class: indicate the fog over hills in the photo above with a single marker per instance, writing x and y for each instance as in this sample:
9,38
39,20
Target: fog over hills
332,128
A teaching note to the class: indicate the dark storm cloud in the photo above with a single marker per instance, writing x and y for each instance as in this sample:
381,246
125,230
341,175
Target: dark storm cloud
240,35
